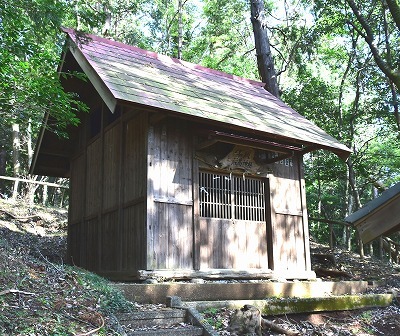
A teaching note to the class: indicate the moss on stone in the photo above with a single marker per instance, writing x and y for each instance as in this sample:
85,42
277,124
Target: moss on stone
343,302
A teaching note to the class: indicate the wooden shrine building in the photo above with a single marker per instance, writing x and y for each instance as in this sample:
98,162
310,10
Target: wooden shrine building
380,216
180,171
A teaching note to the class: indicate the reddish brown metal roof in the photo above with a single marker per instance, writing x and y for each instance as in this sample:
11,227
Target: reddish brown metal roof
125,73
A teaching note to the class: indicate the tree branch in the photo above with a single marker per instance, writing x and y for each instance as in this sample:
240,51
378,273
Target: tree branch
369,38
7,291
394,9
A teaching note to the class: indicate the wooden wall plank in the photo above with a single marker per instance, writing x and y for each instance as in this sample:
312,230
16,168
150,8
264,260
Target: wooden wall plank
111,162
133,240
89,244
135,158
305,227
196,210
133,222
170,223
235,244
152,157
76,197
93,178
110,242
287,222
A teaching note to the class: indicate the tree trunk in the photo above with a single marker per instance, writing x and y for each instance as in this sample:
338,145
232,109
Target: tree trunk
264,58
394,9
29,142
180,29
16,149
3,154
389,61
353,186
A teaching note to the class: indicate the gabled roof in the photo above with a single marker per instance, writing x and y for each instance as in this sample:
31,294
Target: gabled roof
123,73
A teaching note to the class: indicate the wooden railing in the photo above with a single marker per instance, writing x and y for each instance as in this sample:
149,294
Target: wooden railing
17,181
387,248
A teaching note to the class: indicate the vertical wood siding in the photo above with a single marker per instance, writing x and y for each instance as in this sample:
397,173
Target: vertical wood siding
77,195
133,238
93,178
112,164
235,244
288,225
170,203
133,232
110,242
89,240
107,229
135,159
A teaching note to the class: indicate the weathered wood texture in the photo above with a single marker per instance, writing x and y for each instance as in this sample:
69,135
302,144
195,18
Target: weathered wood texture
377,217
237,244
381,221
112,164
107,228
77,195
289,227
169,198
93,178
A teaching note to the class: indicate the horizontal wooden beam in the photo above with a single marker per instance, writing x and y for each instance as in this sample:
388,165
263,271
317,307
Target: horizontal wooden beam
206,274
280,158
329,221
172,200
240,139
49,184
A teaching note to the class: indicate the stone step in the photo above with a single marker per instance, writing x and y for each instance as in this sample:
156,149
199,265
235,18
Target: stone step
182,331
166,317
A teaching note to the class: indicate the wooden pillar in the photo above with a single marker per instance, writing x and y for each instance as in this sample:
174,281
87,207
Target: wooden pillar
196,207
348,239
360,245
44,198
331,243
380,248
15,190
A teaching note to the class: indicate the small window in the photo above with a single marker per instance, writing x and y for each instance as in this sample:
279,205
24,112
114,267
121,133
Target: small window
228,196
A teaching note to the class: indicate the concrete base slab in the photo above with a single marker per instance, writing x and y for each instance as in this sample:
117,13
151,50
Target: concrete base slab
157,293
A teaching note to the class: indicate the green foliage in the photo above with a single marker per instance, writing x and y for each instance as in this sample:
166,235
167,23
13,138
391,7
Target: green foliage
225,41
111,299
29,55
213,316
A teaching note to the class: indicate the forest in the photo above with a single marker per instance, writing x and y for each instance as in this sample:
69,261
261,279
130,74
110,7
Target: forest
337,63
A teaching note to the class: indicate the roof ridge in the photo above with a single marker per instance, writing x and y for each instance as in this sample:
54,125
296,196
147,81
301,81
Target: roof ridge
73,33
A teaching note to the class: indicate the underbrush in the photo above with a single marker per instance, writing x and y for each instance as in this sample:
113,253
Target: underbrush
40,295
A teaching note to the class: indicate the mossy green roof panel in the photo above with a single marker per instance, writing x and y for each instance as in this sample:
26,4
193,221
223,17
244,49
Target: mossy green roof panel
139,76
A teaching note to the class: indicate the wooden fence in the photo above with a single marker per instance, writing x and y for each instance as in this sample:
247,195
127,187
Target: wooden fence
387,248
17,182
